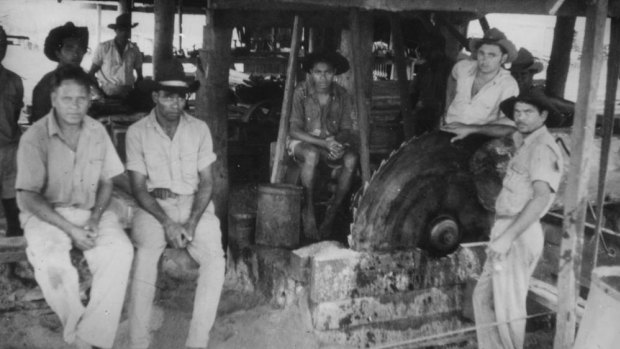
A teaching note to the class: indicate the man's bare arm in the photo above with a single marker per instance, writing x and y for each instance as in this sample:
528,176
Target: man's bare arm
201,199
94,68
461,131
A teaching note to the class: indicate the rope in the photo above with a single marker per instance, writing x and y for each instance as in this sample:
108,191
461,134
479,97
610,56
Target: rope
408,343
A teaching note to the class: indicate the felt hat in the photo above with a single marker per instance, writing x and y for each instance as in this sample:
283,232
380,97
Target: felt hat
171,77
537,98
525,61
123,21
55,37
495,37
335,59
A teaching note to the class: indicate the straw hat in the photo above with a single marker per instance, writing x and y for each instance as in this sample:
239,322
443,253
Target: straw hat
496,37
54,39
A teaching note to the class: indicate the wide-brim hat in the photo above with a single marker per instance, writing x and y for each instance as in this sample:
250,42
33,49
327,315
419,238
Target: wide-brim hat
54,39
494,36
335,59
123,21
537,98
171,77
525,61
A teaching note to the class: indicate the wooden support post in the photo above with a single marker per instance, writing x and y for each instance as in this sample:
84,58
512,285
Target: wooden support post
401,73
277,172
362,101
124,6
559,62
211,101
613,71
484,24
164,33
180,13
98,24
578,175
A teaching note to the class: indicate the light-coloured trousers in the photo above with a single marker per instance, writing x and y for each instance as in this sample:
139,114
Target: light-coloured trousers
109,262
501,291
205,248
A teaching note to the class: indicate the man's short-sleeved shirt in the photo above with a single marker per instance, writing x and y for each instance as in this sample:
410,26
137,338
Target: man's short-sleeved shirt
538,159
46,165
116,74
483,108
309,116
170,163
11,103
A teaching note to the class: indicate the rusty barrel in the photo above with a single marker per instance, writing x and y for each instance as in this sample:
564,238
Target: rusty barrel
278,215
599,325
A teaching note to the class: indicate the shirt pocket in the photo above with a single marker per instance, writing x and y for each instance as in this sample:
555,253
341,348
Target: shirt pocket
156,165
94,168
189,166
517,182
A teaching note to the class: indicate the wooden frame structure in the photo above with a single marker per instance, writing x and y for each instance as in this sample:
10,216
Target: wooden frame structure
222,14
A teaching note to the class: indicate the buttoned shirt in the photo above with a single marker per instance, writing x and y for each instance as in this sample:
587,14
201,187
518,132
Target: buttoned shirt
11,103
116,74
170,163
537,159
65,178
322,121
483,107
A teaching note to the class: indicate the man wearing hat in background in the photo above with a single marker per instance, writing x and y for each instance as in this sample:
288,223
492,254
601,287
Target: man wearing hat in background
115,60
169,158
322,129
11,103
66,45
528,189
478,86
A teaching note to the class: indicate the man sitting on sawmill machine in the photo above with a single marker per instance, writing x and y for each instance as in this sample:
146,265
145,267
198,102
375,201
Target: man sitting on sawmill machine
322,130
477,86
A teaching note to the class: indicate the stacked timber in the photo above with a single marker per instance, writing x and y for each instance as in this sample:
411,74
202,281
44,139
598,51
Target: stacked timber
386,130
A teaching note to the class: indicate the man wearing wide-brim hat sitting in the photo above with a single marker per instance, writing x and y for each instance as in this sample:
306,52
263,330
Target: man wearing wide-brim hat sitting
528,189
322,129
66,45
169,159
114,61
478,85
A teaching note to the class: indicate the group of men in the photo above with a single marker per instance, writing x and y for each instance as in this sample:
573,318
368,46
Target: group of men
66,163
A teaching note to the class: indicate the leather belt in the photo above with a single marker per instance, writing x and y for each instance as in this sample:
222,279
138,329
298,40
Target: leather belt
163,194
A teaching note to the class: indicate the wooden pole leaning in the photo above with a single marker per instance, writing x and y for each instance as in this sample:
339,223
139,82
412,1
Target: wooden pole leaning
277,172
361,103
400,61
576,194
613,71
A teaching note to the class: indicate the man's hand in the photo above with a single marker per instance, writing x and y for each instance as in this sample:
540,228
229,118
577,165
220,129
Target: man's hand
459,129
92,226
499,247
336,150
190,229
82,238
176,234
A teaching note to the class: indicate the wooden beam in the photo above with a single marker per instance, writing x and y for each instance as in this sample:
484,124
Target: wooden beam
362,103
559,62
400,61
211,105
164,33
578,175
613,71
124,6
277,172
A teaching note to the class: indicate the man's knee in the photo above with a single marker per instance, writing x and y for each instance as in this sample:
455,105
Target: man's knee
310,154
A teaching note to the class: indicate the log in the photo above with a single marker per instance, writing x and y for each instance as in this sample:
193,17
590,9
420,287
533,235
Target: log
575,205
277,172
164,32
559,62
613,71
362,101
400,61
211,101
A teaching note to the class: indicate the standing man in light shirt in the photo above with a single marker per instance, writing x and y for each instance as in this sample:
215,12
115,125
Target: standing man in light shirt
169,158
477,86
115,60
65,165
